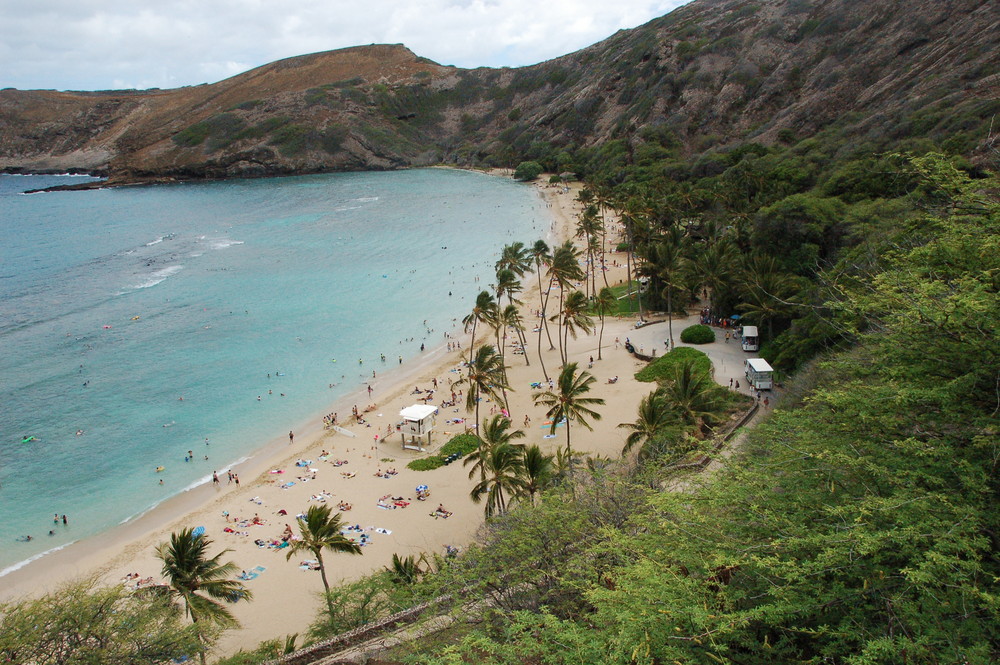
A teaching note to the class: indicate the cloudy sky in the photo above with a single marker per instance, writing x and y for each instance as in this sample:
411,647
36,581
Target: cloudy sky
104,44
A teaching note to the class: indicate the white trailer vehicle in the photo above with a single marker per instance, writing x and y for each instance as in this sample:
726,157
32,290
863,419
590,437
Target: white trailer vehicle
759,373
749,339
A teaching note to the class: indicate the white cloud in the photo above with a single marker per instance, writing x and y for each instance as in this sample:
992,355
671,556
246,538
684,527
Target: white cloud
105,44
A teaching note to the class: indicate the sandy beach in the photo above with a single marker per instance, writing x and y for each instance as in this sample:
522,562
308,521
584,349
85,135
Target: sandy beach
286,596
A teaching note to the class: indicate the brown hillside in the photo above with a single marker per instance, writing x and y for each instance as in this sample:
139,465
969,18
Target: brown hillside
709,74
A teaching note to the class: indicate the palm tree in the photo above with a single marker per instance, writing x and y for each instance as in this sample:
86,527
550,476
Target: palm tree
655,419
604,304
537,471
713,266
540,253
587,227
510,317
189,570
671,268
564,464
480,312
507,284
693,396
494,432
409,569
766,291
319,529
501,474
570,402
603,198
516,258
486,376
573,317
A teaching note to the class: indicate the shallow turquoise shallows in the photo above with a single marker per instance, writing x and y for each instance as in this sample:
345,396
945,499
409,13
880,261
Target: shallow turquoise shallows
116,304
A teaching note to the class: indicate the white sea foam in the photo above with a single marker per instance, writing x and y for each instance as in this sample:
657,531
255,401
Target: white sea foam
36,557
223,243
158,276
366,199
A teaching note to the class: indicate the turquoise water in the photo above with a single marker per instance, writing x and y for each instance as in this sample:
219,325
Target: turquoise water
115,304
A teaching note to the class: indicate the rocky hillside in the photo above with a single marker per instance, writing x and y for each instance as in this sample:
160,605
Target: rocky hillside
709,74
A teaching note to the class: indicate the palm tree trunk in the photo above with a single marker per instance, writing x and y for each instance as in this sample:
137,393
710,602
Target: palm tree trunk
540,360
545,321
472,342
600,336
628,271
569,461
326,585
562,354
524,345
201,640
604,247
670,317
503,362
478,396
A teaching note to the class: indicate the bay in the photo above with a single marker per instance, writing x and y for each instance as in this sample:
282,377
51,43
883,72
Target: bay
140,323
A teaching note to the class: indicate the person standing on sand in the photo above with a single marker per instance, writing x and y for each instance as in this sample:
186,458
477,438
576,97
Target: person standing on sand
215,478
291,437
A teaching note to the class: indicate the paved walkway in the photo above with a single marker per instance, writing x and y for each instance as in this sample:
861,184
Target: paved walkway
727,358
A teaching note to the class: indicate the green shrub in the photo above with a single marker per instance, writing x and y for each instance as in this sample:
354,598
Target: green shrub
662,368
698,334
221,130
527,171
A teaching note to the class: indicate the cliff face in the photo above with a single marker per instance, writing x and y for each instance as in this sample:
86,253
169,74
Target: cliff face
712,72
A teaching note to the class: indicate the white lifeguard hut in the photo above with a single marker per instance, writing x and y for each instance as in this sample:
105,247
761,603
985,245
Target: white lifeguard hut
418,422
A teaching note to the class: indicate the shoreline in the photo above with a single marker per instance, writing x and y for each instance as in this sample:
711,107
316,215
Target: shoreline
128,548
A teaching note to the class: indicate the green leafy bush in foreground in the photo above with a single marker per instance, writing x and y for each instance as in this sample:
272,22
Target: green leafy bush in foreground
663,367
698,334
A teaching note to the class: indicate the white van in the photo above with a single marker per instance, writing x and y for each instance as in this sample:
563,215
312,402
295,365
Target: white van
758,373
749,339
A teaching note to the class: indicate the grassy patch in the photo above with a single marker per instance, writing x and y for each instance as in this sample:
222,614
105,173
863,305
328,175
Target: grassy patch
461,445
626,304
663,367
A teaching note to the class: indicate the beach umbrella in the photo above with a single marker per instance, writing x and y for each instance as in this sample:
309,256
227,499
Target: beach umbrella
422,488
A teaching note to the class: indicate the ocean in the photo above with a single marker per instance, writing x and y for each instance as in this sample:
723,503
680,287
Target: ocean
140,323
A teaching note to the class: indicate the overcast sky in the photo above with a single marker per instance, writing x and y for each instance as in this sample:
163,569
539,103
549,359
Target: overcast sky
103,44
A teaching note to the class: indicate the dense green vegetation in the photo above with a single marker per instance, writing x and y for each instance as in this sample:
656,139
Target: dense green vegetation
857,525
